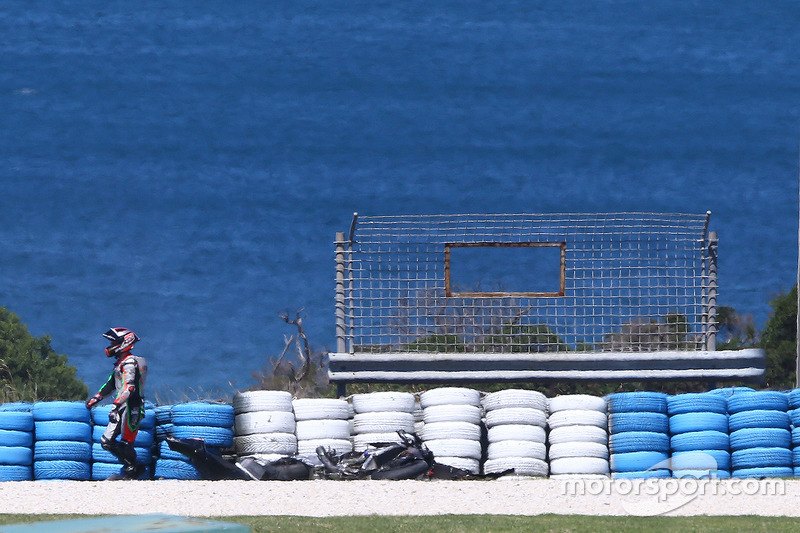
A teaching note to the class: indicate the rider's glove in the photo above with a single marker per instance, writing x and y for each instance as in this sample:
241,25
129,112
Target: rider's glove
113,415
94,400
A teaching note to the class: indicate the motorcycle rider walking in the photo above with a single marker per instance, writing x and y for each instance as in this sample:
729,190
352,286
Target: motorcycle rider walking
127,410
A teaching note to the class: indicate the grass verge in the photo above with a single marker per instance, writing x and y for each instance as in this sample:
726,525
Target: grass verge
485,523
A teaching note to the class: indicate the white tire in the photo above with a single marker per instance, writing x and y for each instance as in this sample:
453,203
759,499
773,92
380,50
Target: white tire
309,447
363,441
264,422
383,401
565,434
473,466
578,449
450,430
516,432
321,408
383,422
323,429
264,457
270,443
262,400
580,465
449,396
577,402
452,413
522,466
516,448
515,398
516,415
455,448
580,417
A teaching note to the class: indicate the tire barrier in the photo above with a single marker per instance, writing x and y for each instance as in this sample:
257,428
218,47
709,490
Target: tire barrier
516,422
450,429
578,437
62,440
264,424
316,411
638,441
104,463
699,441
731,432
377,418
756,416
16,443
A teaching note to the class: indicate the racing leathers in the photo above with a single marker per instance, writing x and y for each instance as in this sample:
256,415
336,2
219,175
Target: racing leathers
127,411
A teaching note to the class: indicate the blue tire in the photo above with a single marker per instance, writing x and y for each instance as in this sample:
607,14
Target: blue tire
794,399
696,402
163,414
213,436
10,437
761,438
165,452
63,430
16,473
58,450
16,455
16,406
16,420
627,402
660,473
101,471
701,460
699,421
638,441
700,440
702,474
761,473
622,422
727,392
74,470
203,414
761,458
163,431
172,469
758,419
65,411
759,400
638,461
796,457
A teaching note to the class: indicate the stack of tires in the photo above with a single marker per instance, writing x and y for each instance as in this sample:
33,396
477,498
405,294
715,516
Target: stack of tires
322,422
638,435
62,446
760,435
516,422
699,442
164,425
16,442
451,426
379,416
212,422
264,425
104,463
578,436
794,414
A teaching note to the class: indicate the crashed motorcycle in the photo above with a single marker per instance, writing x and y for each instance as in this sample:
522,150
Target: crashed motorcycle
407,459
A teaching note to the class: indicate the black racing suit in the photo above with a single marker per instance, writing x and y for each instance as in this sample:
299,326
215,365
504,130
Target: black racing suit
127,410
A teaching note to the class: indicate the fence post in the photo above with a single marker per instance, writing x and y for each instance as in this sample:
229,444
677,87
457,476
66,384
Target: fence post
711,339
341,339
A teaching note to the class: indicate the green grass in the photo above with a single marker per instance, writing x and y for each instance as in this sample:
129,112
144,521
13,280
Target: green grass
487,523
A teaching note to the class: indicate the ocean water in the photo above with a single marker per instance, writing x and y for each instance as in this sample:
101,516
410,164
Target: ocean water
181,168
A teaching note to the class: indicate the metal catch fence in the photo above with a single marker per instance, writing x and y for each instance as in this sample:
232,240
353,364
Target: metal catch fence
631,282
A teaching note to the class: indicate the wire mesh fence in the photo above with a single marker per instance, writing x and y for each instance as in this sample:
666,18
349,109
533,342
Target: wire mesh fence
636,282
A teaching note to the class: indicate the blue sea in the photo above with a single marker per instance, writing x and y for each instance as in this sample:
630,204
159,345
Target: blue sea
181,168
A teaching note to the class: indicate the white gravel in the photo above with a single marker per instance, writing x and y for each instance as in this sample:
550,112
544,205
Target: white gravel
510,496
